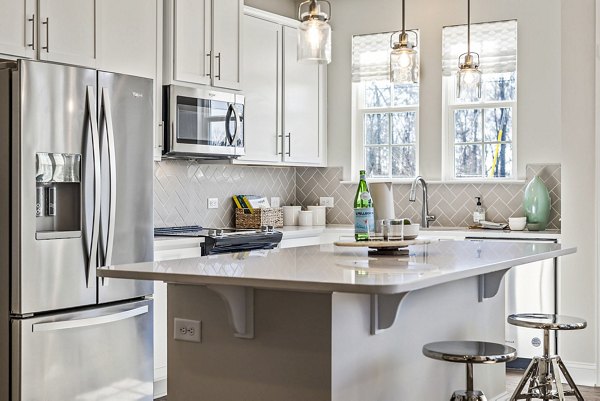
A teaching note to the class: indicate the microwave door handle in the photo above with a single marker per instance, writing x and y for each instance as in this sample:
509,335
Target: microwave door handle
237,123
93,251
110,141
227,119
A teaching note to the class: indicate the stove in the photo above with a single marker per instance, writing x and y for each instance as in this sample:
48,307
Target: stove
226,240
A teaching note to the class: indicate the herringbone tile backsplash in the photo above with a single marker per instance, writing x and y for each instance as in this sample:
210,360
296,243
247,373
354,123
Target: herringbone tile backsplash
182,188
451,203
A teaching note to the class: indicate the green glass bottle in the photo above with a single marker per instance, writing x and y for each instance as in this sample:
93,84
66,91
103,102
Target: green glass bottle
364,214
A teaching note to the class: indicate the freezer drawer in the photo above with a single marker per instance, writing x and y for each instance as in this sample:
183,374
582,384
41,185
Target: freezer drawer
96,354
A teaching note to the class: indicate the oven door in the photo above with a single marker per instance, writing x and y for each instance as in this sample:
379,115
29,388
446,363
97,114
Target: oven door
203,123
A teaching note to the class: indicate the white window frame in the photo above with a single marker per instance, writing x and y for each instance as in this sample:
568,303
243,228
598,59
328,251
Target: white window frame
449,105
358,133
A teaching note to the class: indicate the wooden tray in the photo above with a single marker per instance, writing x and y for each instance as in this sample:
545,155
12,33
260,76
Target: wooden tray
394,247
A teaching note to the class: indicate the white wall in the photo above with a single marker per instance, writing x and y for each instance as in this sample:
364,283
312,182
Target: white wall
538,71
286,8
555,123
578,275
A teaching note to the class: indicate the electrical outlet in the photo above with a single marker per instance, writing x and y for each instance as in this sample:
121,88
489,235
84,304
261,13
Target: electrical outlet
213,203
188,330
326,201
275,201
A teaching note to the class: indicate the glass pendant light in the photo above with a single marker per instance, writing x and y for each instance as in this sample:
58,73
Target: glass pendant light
468,77
314,33
404,59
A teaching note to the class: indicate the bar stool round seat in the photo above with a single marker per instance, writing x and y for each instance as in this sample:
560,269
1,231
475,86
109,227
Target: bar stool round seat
469,352
543,376
547,321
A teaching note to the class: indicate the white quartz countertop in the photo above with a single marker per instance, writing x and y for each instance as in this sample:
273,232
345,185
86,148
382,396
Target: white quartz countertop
328,268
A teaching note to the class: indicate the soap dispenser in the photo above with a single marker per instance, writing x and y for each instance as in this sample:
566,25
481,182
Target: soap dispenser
479,213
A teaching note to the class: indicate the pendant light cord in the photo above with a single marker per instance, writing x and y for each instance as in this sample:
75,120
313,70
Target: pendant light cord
403,16
468,27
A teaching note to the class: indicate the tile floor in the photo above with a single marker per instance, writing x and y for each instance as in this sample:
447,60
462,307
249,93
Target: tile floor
512,379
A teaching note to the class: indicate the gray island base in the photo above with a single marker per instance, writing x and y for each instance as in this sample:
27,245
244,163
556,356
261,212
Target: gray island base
326,323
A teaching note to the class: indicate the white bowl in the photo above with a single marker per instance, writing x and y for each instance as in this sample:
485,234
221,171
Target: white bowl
410,230
517,223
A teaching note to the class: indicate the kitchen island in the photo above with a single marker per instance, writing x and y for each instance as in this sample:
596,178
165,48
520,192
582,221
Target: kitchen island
328,323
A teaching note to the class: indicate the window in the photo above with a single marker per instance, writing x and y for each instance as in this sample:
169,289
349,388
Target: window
385,115
481,133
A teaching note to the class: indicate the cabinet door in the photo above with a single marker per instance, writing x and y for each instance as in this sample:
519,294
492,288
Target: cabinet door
302,142
262,89
191,41
227,21
127,35
18,28
68,31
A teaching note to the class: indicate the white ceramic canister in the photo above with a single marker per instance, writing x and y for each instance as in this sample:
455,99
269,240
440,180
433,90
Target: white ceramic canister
290,215
305,218
319,214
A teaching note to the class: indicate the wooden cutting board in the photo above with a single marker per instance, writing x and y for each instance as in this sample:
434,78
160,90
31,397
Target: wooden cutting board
380,244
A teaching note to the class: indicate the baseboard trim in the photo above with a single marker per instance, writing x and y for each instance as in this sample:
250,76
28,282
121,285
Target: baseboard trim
584,374
502,397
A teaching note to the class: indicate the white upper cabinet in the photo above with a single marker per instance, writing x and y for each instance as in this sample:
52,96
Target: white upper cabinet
262,85
226,28
18,28
68,31
284,110
191,40
202,39
301,105
127,36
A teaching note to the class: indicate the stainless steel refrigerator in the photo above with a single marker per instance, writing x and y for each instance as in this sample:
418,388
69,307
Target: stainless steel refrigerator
76,193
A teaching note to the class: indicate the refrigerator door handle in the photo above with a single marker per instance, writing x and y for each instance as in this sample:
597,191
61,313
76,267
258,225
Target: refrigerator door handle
93,253
110,135
91,321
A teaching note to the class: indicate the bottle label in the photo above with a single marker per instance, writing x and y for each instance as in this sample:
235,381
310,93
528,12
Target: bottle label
364,220
365,196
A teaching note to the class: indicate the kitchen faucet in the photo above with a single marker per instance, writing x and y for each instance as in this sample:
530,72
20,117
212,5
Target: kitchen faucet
425,216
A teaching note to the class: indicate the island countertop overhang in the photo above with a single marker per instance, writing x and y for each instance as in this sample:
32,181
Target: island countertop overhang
327,268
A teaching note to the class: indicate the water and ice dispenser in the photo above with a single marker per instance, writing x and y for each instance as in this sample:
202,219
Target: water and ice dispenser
58,195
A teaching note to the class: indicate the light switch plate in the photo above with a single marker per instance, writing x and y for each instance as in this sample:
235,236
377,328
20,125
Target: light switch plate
187,330
213,203
275,201
326,201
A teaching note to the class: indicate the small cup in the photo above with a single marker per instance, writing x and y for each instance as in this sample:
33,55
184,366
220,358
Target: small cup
290,215
305,218
319,215
517,223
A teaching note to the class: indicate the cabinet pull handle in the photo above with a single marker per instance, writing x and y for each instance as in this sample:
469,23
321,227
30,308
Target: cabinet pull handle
289,137
32,20
47,23
218,76
277,143
209,64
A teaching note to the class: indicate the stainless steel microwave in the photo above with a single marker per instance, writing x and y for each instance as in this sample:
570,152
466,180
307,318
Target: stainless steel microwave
202,123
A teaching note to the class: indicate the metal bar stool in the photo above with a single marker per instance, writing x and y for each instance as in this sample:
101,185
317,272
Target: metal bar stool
469,352
543,373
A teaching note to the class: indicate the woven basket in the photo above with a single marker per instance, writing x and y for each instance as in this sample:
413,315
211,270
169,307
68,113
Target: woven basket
272,216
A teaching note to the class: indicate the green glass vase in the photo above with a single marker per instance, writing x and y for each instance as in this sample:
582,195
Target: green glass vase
536,203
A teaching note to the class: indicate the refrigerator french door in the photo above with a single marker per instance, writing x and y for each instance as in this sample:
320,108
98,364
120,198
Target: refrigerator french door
530,288
80,183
